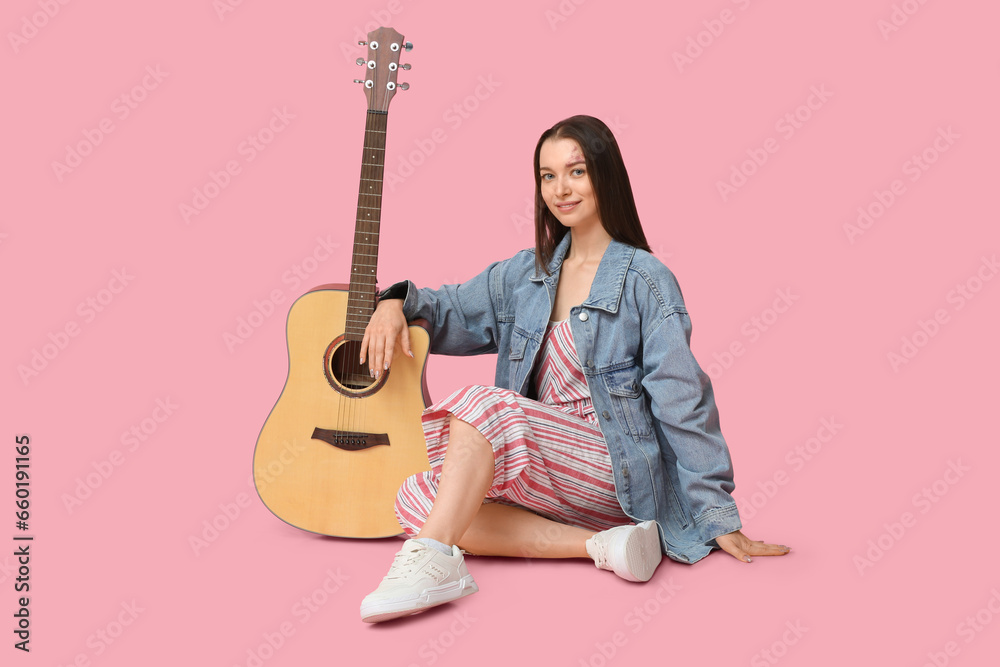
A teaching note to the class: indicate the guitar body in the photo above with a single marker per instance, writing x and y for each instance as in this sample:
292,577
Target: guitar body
342,485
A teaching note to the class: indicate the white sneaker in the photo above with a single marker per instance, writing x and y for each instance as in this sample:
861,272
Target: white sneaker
631,552
421,577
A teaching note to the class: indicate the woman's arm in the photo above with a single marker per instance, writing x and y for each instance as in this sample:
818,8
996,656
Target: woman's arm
463,318
683,401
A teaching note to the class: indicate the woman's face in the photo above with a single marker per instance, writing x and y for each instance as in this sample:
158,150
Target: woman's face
565,185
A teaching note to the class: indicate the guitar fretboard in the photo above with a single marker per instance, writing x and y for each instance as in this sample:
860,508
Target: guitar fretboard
364,263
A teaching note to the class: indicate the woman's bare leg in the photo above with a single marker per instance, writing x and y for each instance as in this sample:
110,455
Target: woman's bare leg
502,530
459,516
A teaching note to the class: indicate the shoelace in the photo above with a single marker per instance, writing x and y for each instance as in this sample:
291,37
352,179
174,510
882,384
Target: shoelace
599,552
403,563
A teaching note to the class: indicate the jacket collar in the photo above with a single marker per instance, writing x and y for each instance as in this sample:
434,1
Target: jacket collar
606,291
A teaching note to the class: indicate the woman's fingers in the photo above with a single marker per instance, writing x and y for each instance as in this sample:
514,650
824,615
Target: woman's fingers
743,548
764,549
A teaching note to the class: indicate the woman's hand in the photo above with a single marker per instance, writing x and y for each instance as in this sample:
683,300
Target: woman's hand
386,326
740,546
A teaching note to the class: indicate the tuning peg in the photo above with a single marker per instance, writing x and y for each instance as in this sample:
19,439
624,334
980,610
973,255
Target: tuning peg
405,65
360,61
359,81
408,46
404,86
362,43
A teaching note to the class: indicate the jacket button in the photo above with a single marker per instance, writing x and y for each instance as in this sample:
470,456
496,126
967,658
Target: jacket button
584,316
606,415
624,472
590,363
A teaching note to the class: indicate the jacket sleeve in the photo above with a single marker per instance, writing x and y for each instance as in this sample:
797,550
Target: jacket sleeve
463,317
683,402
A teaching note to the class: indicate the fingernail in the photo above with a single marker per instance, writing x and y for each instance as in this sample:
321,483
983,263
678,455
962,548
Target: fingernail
361,360
411,354
386,366
371,371
747,559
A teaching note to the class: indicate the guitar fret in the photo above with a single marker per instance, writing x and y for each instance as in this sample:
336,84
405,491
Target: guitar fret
366,233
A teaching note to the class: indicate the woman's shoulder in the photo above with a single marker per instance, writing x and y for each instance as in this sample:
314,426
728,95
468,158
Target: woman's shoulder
651,276
518,264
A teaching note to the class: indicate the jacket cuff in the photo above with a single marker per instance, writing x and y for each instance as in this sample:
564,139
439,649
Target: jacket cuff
397,291
716,522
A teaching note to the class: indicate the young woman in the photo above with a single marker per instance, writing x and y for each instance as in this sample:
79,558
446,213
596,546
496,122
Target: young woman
600,416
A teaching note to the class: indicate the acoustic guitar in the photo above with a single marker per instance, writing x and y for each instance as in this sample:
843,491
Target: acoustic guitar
338,444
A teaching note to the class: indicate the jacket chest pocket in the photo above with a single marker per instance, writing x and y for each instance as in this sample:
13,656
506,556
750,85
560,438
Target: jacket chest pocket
629,400
518,341
517,361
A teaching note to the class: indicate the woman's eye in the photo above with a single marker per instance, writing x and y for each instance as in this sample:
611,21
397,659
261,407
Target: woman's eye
578,171
546,177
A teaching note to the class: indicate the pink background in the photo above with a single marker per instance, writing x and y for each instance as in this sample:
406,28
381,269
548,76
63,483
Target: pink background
899,428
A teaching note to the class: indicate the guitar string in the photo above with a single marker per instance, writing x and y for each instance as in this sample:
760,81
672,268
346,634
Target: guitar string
372,172
379,169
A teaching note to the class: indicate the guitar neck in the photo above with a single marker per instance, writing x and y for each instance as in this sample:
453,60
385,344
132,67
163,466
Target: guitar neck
364,262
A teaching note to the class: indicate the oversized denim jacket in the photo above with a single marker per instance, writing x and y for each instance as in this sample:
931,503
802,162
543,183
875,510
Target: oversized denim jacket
654,403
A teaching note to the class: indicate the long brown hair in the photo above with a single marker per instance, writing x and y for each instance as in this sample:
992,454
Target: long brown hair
609,178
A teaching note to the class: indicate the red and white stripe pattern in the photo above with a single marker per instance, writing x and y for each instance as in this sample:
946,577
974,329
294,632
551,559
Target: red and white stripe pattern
549,455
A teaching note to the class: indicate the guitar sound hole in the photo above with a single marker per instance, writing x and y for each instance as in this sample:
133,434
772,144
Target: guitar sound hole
344,367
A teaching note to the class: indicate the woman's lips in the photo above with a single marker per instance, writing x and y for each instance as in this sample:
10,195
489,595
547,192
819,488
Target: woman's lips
567,206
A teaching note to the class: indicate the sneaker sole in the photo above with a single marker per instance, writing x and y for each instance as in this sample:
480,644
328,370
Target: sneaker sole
387,610
639,551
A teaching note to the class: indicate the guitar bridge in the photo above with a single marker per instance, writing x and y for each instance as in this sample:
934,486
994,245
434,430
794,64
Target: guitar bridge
351,441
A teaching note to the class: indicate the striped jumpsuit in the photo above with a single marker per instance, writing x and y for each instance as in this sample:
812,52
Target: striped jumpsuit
549,454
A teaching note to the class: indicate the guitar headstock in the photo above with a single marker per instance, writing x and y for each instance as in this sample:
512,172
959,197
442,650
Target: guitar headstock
382,66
